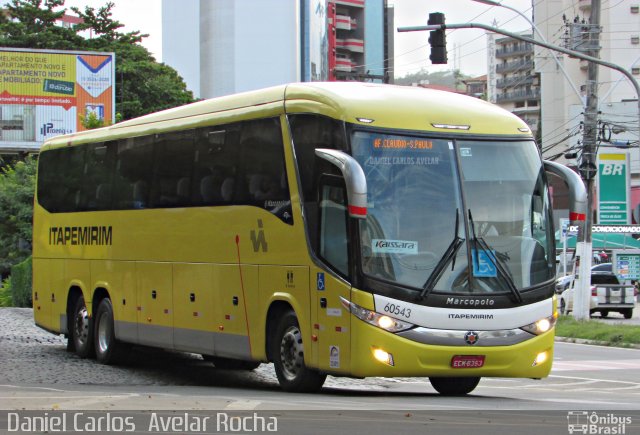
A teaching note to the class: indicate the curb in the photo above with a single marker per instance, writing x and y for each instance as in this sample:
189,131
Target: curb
596,343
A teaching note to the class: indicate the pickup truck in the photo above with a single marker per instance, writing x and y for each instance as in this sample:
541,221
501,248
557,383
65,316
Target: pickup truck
607,294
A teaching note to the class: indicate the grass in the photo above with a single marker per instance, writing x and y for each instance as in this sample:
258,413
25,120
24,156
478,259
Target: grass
612,335
5,293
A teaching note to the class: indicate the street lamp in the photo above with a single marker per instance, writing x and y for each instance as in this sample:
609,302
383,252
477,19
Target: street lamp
542,38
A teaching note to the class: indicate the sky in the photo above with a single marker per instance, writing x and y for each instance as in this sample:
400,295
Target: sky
467,47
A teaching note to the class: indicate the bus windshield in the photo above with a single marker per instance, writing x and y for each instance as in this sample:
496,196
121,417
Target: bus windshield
428,195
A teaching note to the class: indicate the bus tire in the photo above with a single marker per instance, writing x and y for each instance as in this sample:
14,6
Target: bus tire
82,329
108,349
454,386
232,364
288,358
628,313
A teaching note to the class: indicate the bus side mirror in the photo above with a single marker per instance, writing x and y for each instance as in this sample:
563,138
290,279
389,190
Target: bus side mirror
354,179
577,191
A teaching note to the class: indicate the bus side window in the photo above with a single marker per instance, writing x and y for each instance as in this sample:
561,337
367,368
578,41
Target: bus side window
173,166
133,172
264,179
308,133
333,223
214,161
98,168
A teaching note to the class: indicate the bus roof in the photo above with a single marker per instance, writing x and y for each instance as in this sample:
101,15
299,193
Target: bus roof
376,105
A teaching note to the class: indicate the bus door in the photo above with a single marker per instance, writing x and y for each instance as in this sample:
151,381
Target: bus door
154,302
193,317
333,321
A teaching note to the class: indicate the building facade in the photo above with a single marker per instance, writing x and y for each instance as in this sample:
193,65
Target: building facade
230,46
562,97
511,79
477,87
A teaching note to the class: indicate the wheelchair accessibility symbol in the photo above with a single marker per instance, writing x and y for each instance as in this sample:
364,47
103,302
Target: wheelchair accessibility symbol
483,266
320,281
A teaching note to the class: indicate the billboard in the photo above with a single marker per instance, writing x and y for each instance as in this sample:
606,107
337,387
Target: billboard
44,93
614,188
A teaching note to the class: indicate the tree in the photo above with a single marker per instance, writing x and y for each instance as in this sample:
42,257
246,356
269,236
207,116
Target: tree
32,24
17,184
142,84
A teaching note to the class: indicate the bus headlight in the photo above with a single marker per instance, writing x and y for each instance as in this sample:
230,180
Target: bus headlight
541,326
380,320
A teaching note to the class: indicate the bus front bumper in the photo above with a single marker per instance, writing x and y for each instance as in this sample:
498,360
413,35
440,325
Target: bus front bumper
376,352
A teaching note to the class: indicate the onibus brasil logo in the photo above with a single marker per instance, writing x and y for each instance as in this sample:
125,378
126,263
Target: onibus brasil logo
593,423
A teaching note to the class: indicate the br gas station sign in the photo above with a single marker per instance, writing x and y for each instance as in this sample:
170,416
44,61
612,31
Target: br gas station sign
614,189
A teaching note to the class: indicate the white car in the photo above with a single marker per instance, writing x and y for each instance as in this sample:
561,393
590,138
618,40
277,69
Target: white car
606,295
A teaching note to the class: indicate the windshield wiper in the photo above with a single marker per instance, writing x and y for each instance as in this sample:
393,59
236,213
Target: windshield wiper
495,260
449,254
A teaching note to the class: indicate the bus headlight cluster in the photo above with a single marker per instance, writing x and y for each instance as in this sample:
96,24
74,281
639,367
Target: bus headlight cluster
380,320
541,326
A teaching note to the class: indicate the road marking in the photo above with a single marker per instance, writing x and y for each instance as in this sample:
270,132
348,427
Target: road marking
243,405
32,388
560,366
594,379
562,343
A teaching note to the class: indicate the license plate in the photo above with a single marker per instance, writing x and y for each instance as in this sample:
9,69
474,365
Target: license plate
467,361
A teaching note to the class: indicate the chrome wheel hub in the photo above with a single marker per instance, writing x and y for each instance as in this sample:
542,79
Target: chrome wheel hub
81,326
291,352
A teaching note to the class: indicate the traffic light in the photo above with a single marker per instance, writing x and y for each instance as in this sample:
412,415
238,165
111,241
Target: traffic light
437,39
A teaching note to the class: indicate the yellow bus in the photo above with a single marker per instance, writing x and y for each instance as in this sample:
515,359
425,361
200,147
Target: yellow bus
330,228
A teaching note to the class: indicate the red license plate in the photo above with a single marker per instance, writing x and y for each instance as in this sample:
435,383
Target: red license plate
467,361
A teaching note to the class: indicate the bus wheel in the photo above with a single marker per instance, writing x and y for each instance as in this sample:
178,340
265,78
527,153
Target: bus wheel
232,364
454,386
108,349
82,330
288,358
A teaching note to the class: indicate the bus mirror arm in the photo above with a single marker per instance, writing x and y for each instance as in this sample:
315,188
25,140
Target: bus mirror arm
577,191
354,179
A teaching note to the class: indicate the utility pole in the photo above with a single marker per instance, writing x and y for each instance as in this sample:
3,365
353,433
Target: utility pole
588,168
588,160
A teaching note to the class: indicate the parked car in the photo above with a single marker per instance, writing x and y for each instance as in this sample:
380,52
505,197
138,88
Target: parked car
602,267
564,282
607,294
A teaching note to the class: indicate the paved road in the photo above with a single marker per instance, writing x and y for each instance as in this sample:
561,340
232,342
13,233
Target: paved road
36,373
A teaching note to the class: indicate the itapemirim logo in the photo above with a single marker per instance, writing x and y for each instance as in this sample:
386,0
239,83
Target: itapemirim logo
594,423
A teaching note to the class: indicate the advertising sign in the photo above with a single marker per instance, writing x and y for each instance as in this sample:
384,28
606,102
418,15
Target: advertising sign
614,188
626,264
44,93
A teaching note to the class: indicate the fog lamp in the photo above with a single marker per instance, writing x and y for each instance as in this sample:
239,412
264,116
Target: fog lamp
383,356
540,359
